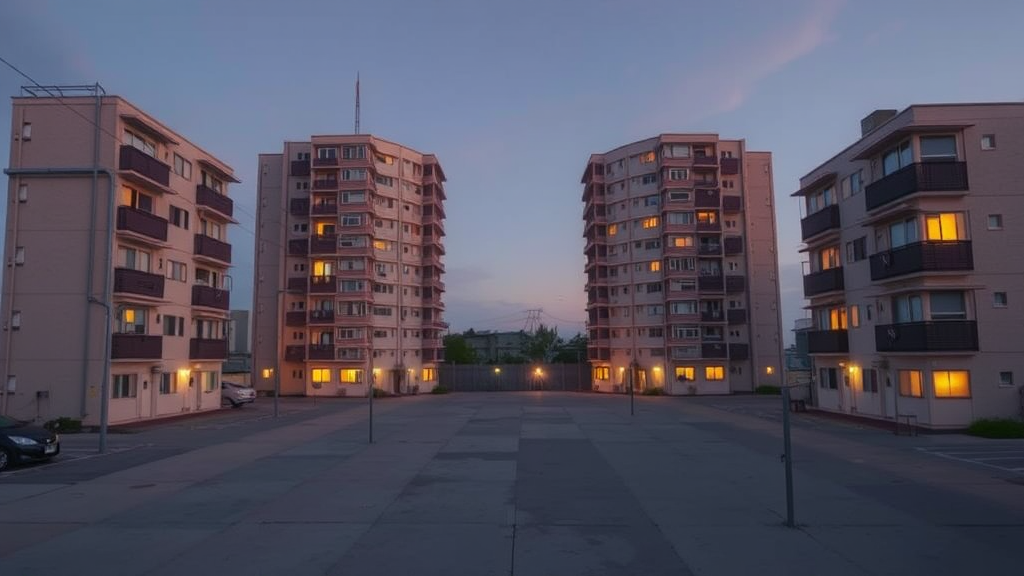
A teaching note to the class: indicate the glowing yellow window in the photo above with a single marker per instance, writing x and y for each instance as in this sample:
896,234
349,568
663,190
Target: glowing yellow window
321,375
602,373
910,383
651,222
837,319
324,228
323,268
948,226
613,229
380,244
655,265
350,376
647,157
952,384
429,374
682,241
685,373
707,217
714,373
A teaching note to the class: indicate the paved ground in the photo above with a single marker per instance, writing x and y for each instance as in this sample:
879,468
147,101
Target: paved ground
516,483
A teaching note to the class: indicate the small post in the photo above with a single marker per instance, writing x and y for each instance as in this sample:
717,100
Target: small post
787,457
373,386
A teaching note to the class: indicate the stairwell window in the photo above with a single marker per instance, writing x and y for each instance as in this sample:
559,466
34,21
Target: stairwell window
946,226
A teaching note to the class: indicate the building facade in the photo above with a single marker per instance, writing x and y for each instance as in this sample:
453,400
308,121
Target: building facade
492,346
913,284
348,268
682,273
110,212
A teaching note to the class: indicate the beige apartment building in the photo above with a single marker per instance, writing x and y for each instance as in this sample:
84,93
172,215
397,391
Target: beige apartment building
682,270
117,262
348,268
915,275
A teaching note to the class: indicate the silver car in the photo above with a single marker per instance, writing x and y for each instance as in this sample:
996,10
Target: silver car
236,395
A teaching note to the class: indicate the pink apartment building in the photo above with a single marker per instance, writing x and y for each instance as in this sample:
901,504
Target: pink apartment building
915,278
681,266
348,268
111,212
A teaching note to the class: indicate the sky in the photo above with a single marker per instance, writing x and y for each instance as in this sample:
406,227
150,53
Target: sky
513,97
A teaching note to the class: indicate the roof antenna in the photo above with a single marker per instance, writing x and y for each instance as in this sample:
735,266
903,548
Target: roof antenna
357,103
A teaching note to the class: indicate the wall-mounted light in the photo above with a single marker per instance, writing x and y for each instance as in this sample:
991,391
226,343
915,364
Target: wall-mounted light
769,370
497,371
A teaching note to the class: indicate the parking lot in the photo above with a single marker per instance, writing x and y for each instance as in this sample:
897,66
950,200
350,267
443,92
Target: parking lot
1003,456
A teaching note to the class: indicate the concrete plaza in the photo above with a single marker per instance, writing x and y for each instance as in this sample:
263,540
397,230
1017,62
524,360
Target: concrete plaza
536,483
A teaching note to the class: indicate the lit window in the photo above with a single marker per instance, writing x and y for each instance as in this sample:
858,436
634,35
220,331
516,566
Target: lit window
910,383
707,217
949,226
429,375
854,316
613,229
714,373
351,376
682,241
602,373
323,268
647,158
952,383
685,373
655,265
651,222
380,244
321,375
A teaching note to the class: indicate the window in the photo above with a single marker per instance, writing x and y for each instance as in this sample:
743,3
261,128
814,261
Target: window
654,265
827,259
354,152
124,386
712,373
353,174
676,151
651,222
353,197
896,158
707,217
429,375
683,307
300,228
653,287
937,148
857,250
679,195
681,241
168,383
602,373
133,259
350,376
903,233
647,158
828,378
951,383
685,332
999,299
1005,379
656,332
177,271
131,321
323,268
613,229
139,143
907,309
910,383
685,374
655,310
210,381
649,179
178,217
651,201
833,318
995,221
856,182
352,220
947,305
173,325
947,226
135,199
854,316
208,180
680,218
206,277
326,153
320,375
211,229
385,180
678,174
26,131
988,141
652,245
182,167
871,380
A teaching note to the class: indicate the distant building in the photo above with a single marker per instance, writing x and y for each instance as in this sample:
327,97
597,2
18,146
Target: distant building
238,333
492,346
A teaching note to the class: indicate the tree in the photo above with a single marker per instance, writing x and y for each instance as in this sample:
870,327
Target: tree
458,351
541,345
572,352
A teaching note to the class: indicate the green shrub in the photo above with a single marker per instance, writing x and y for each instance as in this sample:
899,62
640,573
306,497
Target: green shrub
997,428
440,390
655,391
64,425
768,390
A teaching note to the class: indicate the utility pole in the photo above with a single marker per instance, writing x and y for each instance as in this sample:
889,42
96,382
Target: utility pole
787,457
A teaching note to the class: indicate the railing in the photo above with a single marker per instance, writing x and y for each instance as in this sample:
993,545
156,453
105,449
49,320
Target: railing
295,318
736,316
940,336
299,168
716,350
299,247
917,177
709,249
206,196
212,248
705,160
733,245
820,221
323,284
707,199
299,207
325,161
709,226
324,209
824,281
294,353
131,158
299,285
711,283
739,351
321,316
936,256
141,222
136,282
211,297
323,244
712,316
321,351
139,346
827,342
730,166
735,284
325,184
207,349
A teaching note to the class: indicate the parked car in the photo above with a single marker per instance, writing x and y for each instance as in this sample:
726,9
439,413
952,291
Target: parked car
20,441
236,395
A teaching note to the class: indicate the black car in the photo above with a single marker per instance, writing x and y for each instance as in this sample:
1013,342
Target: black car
20,441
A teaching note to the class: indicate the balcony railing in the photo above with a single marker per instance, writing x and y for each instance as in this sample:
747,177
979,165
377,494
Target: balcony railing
207,349
919,177
709,226
941,256
321,351
136,346
827,342
733,245
325,161
330,184
323,284
705,160
298,247
294,353
299,168
295,318
735,284
325,209
299,207
736,316
739,351
212,248
323,244
712,316
138,161
716,350
211,297
732,203
321,316
141,222
730,166
820,221
705,249
711,283
298,285
707,199
941,336
206,196
824,281
128,281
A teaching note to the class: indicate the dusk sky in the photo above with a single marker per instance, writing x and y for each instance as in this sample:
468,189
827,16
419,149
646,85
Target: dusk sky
514,96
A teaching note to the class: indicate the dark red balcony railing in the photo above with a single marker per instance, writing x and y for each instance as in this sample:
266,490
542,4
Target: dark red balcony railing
944,176
941,336
141,222
929,256
141,283
323,244
299,168
730,166
707,199
295,318
827,342
321,316
323,284
206,196
207,349
737,316
299,207
321,351
136,346
821,221
733,245
294,353
739,351
211,297
824,281
298,285
298,247
212,248
131,158
735,284
714,351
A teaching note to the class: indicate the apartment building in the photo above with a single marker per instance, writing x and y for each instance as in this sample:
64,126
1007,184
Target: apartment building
682,285
348,268
117,262
914,283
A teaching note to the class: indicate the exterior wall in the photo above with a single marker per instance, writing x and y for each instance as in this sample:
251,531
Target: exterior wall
401,222
56,355
495,346
624,254
993,178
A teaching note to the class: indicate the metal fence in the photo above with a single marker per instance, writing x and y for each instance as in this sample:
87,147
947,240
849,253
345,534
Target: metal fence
515,377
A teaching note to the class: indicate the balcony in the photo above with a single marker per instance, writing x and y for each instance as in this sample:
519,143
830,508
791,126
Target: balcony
298,285
325,209
712,316
705,184
736,316
141,163
323,284
299,168
946,176
206,196
139,283
323,244
299,207
707,199
714,226
730,166
717,350
329,184
212,248
732,203
294,353
321,316
739,351
705,160
828,342
733,245
298,247
735,284
711,283
820,221
141,222
945,336
207,349
211,297
295,318
325,161
321,351
708,249
951,256
136,347
825,281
